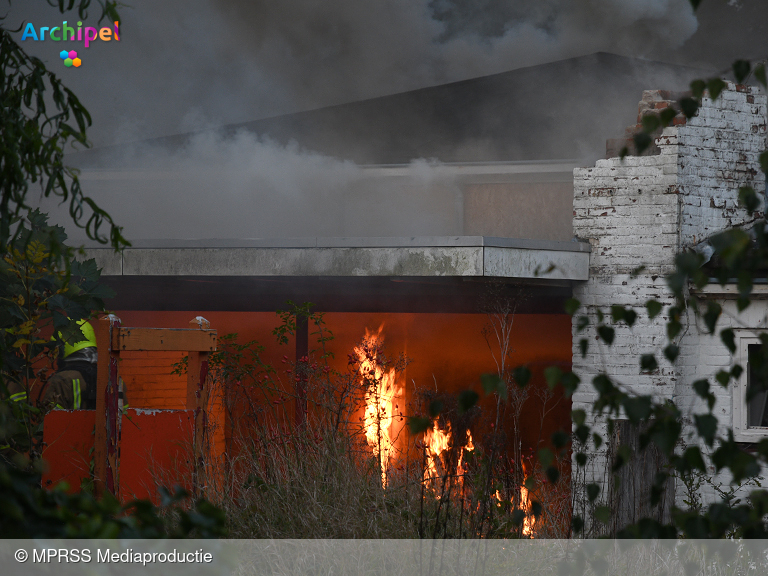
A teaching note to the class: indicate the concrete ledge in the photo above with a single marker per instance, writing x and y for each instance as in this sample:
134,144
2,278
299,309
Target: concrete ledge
108,260
460,256
731,290
366,242
528,263
459,261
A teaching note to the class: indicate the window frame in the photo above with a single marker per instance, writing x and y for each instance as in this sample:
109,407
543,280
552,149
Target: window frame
741,432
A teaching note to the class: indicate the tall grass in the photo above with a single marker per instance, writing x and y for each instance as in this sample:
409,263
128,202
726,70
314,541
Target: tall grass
323,479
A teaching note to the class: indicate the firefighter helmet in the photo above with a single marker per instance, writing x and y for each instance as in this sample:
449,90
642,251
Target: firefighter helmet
88,342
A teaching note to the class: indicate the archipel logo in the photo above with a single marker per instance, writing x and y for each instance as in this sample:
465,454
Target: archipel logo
70,58
65,33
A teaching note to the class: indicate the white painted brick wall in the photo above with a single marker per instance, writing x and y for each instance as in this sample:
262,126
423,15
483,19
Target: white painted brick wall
645,210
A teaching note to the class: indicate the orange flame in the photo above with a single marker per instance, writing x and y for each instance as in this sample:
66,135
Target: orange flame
530,519
525,505
380,399
437,442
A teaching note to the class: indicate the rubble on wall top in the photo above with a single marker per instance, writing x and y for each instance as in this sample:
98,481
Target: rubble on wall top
651,102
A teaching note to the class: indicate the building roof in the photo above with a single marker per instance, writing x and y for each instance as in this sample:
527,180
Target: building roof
563,109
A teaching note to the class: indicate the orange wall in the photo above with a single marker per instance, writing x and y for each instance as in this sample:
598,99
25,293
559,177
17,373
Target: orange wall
445,350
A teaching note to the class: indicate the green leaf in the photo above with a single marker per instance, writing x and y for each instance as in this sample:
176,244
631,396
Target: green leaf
583,347
697,88
418,424
674,326
582,323
760,74
654,308
522,376
571,306
671,352
665,431
603,384
606,333
553,474
546,457
518,517
593,491
694,459
582,433
435,407
695,3
667,116
648,363
560,439
552,375
689,106
578,417
603,513
492,383
701,387
764,161
467,399
731,245
711,315
650,122
597,440
715,86
741,70
748,199
706,425
570,382
624,152
622,457
581,459
619,313
723,378
729,339
642,142
638,408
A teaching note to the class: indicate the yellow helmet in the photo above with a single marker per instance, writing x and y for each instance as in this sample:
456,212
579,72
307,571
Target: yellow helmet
89,342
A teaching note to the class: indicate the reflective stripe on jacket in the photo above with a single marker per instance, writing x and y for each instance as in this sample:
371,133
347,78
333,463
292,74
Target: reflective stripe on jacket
76,404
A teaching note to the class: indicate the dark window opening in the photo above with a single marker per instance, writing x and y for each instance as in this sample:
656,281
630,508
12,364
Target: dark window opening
757,394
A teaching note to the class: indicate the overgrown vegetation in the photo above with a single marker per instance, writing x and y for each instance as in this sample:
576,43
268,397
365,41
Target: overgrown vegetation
41,294
35,134
353,469
44,290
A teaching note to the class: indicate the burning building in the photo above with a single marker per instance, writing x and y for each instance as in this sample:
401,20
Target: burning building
423,255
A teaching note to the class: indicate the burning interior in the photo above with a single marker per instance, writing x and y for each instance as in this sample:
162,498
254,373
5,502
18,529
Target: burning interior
368,373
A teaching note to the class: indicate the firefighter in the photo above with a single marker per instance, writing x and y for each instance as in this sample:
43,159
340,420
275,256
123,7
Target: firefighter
73,386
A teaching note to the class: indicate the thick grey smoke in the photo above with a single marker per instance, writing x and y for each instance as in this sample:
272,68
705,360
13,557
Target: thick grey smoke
244,187
237,60
185,68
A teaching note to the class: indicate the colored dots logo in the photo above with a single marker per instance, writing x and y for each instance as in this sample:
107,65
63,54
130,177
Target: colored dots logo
70,58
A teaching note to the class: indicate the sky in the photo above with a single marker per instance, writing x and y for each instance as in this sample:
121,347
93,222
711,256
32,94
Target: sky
181,67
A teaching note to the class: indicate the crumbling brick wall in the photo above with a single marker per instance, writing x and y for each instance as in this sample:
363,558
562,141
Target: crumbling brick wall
643,210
